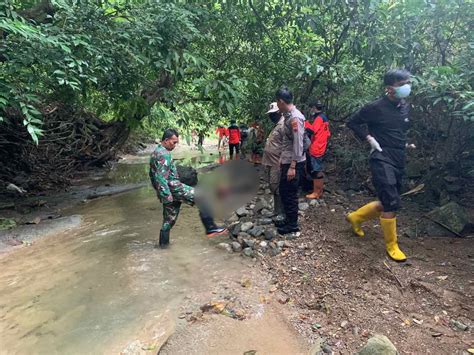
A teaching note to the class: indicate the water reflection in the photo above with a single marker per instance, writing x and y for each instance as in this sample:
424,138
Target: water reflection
91,290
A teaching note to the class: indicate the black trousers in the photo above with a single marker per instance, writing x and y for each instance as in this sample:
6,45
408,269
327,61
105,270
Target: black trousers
289,192
387,180
235,146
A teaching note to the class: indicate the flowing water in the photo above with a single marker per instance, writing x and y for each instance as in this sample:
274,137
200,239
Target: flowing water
90,290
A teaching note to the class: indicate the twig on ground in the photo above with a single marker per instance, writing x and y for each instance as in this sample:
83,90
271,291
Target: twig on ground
395,276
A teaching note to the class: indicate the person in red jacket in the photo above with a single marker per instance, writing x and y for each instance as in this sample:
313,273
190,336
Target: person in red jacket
317,128
222,133
234,139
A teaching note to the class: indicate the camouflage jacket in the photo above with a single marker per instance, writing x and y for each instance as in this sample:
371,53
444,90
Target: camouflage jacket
163,174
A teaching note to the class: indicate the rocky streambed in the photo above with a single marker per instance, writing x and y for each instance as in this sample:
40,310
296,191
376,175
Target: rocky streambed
251,227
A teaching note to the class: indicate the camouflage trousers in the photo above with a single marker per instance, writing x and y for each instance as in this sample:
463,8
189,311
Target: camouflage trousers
181,193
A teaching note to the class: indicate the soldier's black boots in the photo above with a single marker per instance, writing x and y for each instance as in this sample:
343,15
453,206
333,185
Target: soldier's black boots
288,228
164,239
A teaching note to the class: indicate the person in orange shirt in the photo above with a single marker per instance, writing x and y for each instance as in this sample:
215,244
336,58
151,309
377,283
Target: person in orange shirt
317,128
234,139
221,131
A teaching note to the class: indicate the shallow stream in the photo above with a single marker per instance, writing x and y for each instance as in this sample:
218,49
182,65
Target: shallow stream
93,289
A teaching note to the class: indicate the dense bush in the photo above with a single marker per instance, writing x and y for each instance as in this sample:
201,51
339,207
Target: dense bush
192,64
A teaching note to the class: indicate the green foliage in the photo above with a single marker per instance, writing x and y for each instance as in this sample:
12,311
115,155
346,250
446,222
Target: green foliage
193,64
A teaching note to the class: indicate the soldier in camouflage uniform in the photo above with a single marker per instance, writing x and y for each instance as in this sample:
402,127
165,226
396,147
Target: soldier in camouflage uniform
172,192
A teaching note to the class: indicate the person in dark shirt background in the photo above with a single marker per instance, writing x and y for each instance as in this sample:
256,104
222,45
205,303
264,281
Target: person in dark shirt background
383,124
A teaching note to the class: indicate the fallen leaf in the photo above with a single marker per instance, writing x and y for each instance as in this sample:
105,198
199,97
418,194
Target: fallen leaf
245,283
415,190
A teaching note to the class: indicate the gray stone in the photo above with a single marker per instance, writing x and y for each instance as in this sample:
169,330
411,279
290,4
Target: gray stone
314,202
266,213
378,345
248,252
265,221
263,244
237,228
243,235
233,218
256,231
270,234
451,215
249,243
261,204
268,191
327,349
459,325
303,206
275,251
225,246
242,211
245,227
280,244
236,246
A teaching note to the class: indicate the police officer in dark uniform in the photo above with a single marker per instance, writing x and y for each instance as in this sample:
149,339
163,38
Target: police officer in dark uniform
292,159
383,123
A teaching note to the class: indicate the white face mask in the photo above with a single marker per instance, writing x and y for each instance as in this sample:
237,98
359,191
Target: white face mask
402,91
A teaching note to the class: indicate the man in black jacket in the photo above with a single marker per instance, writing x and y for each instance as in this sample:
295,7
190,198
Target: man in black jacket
383,124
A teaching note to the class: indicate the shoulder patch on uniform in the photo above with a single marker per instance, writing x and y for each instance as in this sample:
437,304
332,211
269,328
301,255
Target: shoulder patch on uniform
294,124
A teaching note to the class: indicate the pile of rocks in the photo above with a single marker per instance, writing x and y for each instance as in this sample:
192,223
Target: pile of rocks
252,230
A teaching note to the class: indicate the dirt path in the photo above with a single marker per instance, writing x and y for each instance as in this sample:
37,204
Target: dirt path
344,288
260,324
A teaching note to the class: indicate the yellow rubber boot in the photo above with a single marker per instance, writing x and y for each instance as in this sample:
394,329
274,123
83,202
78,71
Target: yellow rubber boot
365,213
389,227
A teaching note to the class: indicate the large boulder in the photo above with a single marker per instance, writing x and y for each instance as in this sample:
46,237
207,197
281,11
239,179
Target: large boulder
450,215
187,175
378,345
